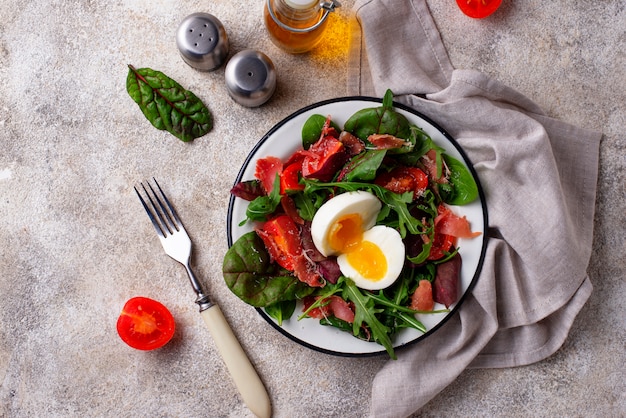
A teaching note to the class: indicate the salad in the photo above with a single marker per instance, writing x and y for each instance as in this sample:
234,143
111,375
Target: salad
357,225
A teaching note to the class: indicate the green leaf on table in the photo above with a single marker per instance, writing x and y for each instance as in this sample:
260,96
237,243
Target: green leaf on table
167,105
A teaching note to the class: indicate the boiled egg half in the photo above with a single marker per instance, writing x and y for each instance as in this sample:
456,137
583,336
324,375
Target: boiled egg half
369,254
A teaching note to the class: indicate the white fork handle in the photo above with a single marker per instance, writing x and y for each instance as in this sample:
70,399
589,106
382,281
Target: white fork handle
246,379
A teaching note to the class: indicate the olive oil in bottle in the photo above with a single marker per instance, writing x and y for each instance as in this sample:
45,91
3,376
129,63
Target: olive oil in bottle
296,26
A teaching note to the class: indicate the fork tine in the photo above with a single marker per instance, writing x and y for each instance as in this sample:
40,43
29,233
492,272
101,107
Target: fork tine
153,219
176,220
163,216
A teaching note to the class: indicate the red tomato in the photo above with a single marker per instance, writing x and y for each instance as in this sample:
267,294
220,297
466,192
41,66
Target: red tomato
441,245
443,241
145,324
289,178
324,158
282,240
478,8
404,179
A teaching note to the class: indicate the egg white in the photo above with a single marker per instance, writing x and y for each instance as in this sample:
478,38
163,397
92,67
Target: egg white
359,202
389,241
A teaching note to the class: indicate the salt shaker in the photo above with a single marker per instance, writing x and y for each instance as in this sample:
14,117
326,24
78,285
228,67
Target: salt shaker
202,41
250,78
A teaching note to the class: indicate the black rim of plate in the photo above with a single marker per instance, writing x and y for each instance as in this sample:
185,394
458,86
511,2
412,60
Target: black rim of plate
467,162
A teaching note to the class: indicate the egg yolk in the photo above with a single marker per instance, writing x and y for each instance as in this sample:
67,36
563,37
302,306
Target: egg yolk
368,259
346,233
346,236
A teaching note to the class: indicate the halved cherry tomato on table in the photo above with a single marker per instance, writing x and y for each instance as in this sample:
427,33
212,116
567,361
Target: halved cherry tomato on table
478,8
145,324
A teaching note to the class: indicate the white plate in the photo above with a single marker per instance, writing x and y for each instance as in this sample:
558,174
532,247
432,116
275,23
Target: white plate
285,138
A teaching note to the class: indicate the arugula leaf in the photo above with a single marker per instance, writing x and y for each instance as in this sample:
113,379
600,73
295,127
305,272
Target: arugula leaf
365,311
335,322
167,105
262,206
323,296
397,202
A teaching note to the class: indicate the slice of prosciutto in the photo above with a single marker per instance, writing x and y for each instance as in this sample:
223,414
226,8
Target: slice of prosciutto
448,223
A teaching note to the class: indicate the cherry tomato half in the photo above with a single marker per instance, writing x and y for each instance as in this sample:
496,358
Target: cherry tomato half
289,178
145,324
324,159
441,246
282,240
478,8
404,179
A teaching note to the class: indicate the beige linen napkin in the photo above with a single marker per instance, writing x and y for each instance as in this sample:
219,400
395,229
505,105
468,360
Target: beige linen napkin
539,177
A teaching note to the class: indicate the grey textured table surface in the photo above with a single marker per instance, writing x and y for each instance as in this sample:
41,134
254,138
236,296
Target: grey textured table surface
76,243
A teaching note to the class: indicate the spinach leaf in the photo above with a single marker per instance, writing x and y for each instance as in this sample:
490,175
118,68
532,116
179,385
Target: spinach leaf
464,188
379,120
250,274
281,310
312,129
423,143
167,105
364,166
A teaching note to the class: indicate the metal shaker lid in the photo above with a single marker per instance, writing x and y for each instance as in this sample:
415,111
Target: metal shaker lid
250,78
202,41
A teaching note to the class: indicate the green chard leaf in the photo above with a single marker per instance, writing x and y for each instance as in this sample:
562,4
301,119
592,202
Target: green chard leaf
167,105
250,274
364,166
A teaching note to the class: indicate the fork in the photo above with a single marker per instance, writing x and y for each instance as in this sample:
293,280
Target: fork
177,245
